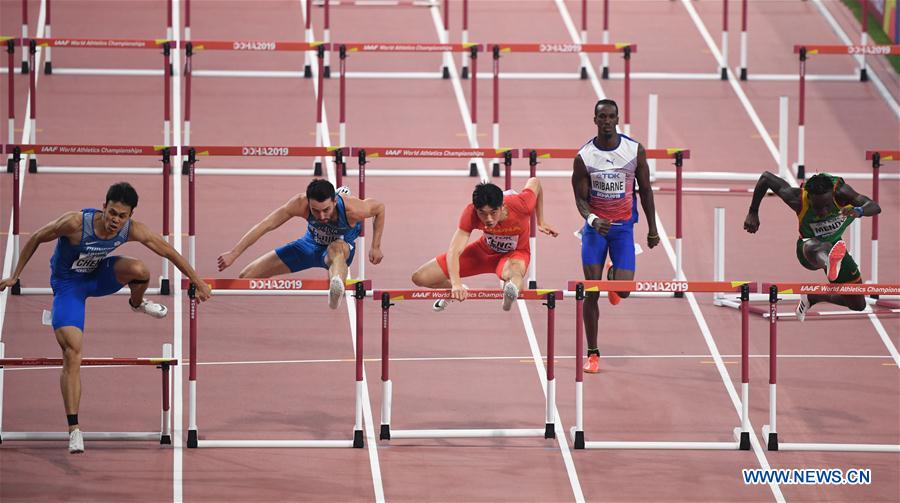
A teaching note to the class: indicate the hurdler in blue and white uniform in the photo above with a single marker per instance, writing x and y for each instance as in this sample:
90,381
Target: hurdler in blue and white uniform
335,221
603,179
82,267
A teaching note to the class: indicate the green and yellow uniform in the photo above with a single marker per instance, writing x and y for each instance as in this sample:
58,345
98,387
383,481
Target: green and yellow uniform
828,228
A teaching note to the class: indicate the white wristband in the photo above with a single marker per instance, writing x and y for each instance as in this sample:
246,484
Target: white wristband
590,219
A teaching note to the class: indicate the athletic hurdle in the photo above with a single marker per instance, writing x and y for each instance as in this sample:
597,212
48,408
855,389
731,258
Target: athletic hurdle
275,286
395,47
722,300
770,431
677,154
387,297
164,436
326,31
566,48
191,47
804,51
84,43
48,65
10,44
876,156
741,434
14,167
255,151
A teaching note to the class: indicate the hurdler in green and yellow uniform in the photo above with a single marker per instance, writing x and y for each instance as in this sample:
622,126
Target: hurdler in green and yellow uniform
828,228
825,206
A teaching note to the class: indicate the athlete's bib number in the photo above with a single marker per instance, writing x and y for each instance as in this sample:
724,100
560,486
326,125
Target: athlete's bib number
827,227
502,244
608,184
87,262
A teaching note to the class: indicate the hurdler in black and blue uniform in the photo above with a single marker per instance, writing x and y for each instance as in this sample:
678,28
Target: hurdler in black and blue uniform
335,219
82,267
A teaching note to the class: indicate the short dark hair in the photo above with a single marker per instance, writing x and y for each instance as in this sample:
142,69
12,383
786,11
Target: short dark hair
320,190
122,192
487,194
819,184
609,102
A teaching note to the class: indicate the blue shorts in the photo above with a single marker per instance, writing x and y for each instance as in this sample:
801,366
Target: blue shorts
304,253
70,294
618,242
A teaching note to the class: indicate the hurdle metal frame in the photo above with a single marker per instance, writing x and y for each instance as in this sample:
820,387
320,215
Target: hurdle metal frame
803,52
770,431
48,67
193,46
164,436
387,297
275,286
741,434
345,48
10,44
104,43
14,167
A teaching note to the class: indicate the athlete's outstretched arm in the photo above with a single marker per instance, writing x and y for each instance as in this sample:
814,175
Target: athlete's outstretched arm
297,206
535,186
68,223
858,205
770,181
581,186
457,245
153,241
375,209
642,174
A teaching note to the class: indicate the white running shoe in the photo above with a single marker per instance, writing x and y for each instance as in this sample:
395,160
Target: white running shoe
343,190
439,305
335,292
76,442
510,294
150,308
802,307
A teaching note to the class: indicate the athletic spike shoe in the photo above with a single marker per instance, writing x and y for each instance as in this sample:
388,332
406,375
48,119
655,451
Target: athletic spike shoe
802,307
150,308
835,256
592,365
510,294
335,292
76,442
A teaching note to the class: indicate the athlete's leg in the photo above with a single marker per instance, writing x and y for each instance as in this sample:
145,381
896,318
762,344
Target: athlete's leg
266,266
70,341
134,273
512,272
430,275
594,248
621,253
848,273
337,257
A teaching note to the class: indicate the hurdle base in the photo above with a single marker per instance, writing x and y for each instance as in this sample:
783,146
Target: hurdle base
532,285
679,295
276,444
185,167
743,74
385,433
583,75
468,433
307,72
317,169
473,169
17,288
50,436
165,440
10,165
445,73
465,72
604,74
192,439
549,430
743,439
32,165
358,439
771,438
25,68
48,68
634,445
864,75
724,74
164,288
801,172
579,440
495,169
327,72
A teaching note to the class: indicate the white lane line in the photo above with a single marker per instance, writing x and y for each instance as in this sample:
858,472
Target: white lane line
178,329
